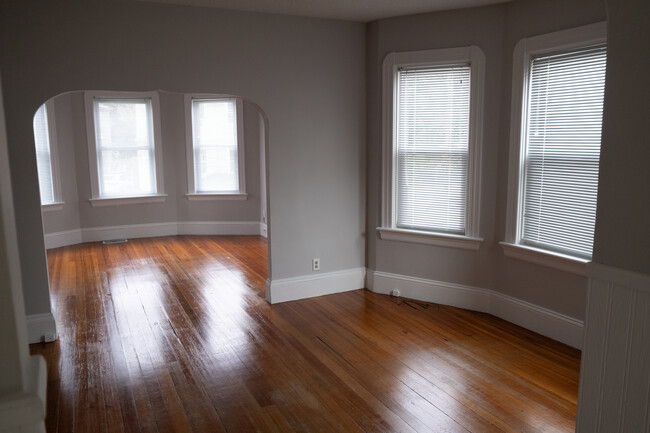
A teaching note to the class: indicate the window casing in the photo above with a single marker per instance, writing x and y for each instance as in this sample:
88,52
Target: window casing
46,157
432,134
558,89
124,148
215,148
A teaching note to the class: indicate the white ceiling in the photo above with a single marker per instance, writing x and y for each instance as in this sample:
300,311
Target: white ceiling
350,10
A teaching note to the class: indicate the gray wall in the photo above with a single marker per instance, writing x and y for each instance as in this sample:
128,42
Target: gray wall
622,221
482,27
309,78
72,145
559,291
307,75
14,354
496,30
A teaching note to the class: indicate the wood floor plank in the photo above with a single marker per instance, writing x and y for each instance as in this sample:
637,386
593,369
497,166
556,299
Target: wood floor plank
174,334
456,366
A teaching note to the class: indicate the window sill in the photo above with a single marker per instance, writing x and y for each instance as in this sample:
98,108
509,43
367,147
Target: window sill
51,207
550,259
118,201
437,239
208,196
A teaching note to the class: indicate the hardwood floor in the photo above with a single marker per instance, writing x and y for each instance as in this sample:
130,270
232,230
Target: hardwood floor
173,335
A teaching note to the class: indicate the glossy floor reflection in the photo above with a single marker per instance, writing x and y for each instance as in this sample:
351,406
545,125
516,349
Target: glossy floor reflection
173,334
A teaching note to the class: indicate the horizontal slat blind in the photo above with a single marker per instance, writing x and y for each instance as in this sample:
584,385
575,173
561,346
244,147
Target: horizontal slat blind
432,148
214,135
565,110
43,156
125,147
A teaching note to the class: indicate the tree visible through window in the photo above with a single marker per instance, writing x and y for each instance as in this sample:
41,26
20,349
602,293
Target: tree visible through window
215,148
214,132
125,147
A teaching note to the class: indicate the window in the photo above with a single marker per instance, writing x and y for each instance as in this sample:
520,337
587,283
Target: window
215,148
557,110
124,150
46,157
432,146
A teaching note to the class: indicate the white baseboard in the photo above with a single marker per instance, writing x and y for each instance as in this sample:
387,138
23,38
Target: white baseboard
24,412
535,318
219,228
309,286
41,327
439,292
95,234
554,325
63,238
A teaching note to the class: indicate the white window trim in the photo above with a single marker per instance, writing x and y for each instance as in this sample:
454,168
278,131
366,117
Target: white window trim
118,201
96,200
213,196
546,258
523,53
192,194
475,57
58,203
52,207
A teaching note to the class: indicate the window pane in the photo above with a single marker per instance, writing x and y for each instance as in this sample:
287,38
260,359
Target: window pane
565,109
43,158
125,147
216,169
214,133
123,124
432,148
125,172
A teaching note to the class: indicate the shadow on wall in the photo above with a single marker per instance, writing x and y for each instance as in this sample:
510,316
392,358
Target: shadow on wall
138,164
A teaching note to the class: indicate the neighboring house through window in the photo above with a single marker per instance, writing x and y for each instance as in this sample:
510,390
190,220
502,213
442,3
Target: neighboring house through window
124,147
558,90
215,148
433,104
46,157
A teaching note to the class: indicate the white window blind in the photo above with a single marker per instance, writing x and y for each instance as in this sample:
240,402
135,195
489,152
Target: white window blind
214,141
125,147
432,133
563,131
43,156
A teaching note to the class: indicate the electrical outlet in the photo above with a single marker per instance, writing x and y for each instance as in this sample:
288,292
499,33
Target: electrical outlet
315,264
395,293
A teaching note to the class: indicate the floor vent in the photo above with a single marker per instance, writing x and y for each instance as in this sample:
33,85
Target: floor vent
114,241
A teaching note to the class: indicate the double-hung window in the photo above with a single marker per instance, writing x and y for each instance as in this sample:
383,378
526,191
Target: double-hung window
432,146
46,157
215,148
124,148
555,145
